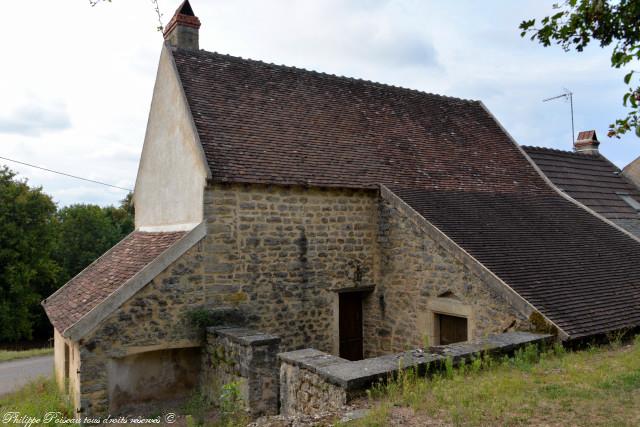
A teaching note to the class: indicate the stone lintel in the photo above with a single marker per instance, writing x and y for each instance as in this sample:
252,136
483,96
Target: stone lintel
370,288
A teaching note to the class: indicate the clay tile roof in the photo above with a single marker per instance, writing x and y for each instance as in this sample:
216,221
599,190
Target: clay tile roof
574,268
590,179
265,123
446,157
100,279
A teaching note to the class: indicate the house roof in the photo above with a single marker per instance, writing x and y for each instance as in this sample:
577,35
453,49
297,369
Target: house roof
447,158
265,123
106,275
589,178
577,270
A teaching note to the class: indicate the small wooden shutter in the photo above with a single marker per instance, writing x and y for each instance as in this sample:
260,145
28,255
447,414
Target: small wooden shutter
452,329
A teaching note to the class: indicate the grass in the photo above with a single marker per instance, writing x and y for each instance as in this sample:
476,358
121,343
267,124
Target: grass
599,386
227,411
36,399
7,355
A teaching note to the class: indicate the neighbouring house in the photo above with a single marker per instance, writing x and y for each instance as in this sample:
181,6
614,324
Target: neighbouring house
591,179
349,216
632,172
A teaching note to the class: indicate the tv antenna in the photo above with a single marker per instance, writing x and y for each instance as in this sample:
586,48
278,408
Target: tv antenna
568,96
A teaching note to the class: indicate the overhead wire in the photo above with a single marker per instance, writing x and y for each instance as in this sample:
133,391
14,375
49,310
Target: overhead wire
66,174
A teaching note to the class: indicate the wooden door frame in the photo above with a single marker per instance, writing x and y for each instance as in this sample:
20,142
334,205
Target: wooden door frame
366,291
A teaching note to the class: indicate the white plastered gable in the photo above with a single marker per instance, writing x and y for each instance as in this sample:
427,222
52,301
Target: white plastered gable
173,169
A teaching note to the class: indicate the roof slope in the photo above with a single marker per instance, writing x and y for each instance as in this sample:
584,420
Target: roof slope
447,158
590,179
264,123
100,279
579,271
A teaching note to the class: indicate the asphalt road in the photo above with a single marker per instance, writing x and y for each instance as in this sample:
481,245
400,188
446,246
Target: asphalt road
16,373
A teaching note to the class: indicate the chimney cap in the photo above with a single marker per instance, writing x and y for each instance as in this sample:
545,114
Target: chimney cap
182,30
184,16
185,9
587,135
586,142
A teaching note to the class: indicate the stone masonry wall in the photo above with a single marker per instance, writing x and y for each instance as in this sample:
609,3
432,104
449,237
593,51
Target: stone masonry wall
246,357
280,253
302,391
417,273
312,381
155,318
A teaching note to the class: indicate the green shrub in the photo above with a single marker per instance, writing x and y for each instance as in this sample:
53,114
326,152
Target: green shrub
231,406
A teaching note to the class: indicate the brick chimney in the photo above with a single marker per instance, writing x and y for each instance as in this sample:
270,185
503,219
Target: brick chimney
182,30
587,142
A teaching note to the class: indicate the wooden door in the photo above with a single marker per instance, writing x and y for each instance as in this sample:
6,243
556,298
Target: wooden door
452,329
350,318
67,362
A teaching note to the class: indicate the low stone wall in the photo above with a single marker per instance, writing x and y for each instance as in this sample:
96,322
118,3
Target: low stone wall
311,379
248,357
302,389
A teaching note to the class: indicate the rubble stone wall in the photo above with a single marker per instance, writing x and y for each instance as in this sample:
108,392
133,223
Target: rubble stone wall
246,358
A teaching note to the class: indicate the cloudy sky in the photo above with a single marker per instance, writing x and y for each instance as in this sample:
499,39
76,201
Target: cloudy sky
76,81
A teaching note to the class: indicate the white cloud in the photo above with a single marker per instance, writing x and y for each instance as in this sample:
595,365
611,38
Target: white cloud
101,63
35,119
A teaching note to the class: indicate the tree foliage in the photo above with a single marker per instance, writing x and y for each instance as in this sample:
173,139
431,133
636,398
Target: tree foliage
578,23
27,270
84,232
42,247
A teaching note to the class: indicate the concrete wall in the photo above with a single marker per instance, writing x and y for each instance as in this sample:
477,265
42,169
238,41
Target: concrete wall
58,358
162,377
172,173
70,384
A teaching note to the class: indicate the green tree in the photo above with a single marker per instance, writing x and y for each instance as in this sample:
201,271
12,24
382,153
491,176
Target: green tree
122,216
85,232
577,23
27,270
